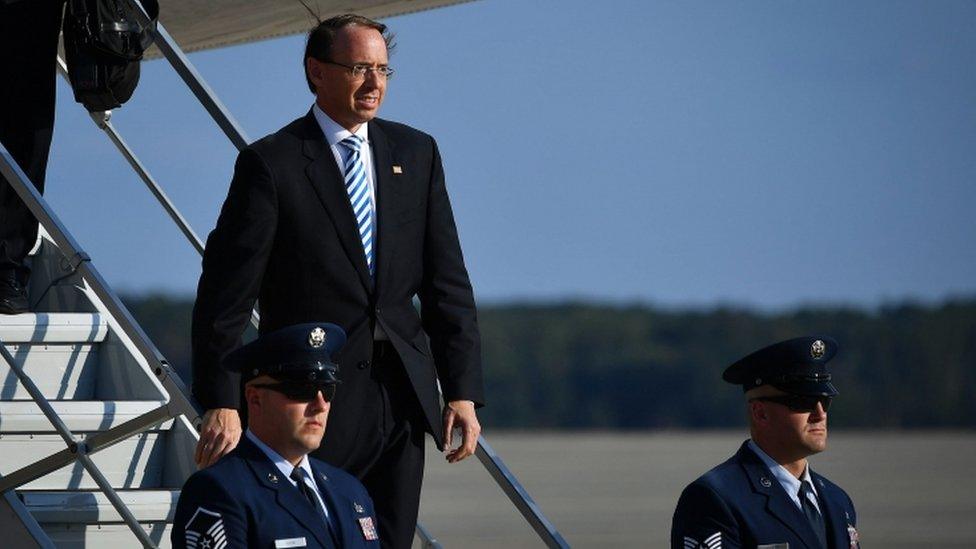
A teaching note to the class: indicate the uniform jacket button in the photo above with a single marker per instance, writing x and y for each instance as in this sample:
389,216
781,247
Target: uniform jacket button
363,364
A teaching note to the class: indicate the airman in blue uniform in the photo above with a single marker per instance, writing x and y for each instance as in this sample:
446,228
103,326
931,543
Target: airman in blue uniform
766,496
267,492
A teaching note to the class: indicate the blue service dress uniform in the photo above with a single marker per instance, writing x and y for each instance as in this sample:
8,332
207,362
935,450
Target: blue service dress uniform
740,504
243,501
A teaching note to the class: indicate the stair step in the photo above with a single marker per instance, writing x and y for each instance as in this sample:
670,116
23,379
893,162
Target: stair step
161,458
24,416
81,536
53,328
60,370
136,462
92,507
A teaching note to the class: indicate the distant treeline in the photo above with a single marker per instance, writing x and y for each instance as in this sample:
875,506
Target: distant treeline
593,366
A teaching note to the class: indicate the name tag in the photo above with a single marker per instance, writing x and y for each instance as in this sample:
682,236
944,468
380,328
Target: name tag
290,542
774,546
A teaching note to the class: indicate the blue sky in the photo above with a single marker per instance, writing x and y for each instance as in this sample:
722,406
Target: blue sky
765,154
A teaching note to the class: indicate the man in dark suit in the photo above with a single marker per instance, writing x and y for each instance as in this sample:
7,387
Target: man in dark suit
28,52
346,216
268,492
766,495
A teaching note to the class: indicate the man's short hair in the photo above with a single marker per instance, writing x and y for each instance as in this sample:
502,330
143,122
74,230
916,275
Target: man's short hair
318,45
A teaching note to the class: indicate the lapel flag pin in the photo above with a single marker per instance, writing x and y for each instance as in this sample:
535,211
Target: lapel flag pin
397,169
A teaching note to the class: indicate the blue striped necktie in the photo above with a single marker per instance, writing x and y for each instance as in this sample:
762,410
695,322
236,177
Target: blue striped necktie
359,195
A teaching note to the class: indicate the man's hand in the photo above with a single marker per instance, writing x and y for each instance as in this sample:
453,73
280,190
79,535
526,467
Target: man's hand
459,414
219,433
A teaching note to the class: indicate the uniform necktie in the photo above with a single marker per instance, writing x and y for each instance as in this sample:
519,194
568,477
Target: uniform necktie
362,205
299,475
813,515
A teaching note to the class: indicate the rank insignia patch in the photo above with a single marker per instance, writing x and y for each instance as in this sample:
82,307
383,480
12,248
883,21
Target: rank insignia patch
368,528
205,530
713,541
853,536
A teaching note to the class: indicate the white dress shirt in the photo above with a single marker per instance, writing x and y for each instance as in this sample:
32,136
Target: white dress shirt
334,133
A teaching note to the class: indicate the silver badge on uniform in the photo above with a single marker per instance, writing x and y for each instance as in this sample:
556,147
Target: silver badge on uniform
359,508
765,482
818,349
316,338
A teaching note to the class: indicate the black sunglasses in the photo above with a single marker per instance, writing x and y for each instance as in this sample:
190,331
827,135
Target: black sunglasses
798,403
301,391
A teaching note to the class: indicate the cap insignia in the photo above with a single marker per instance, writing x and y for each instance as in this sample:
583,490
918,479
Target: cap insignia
316,338
818,349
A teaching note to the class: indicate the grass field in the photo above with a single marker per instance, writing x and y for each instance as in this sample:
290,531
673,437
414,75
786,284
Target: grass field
911,489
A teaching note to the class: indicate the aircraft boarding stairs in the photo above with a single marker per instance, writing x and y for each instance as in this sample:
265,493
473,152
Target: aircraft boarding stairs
97,431
95,379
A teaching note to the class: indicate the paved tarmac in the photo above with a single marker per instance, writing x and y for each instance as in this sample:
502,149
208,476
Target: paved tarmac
911,489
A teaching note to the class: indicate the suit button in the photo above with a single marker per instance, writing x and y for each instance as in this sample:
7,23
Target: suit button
376,311
363,364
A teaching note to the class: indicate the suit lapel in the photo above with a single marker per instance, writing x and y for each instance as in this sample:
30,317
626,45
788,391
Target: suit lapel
834,516
327,180
778,503
386,202
286,495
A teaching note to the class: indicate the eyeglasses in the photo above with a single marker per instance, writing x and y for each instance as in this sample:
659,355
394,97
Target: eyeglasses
301,391
798,403
359,70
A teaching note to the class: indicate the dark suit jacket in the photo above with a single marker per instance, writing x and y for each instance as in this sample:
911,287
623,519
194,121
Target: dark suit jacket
747,507
257,505
287,236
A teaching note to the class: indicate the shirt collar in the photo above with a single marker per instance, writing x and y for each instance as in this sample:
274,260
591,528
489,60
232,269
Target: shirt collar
334,133
790,483
281,463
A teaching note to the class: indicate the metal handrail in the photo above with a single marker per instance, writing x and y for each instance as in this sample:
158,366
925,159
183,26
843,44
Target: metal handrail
428,541
79,449
174,54
102,120
180,402
518,495
505,479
